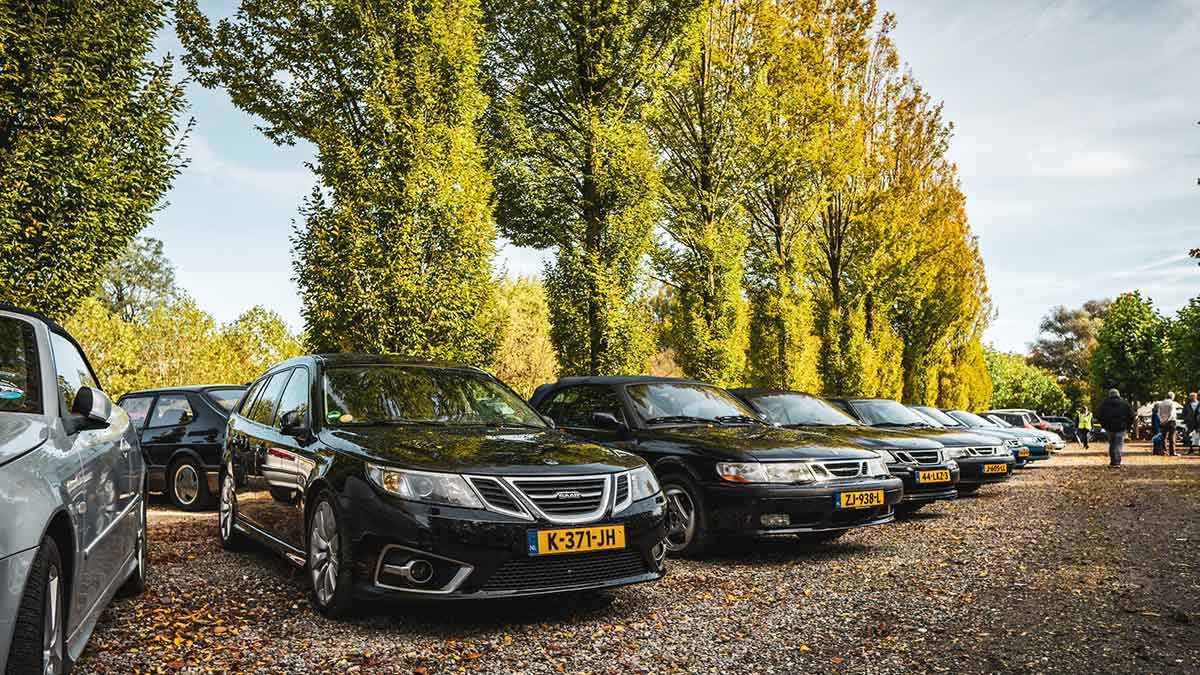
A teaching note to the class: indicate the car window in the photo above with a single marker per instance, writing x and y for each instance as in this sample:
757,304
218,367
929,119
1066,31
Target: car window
263,409
938,416
248,401
574,406
798,409
20,374
71,370
659,400
137,407
226,398
887,413
171,410
295,396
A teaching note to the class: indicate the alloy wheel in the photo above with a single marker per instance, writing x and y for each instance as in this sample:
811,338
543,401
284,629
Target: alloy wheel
681,526
186,484
323,553
52,629
225,512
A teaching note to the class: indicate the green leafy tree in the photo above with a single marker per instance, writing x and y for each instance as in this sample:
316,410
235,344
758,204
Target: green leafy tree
396,248
89,142
525,358
574,168
257,339
1066,338
137,280
1184,337
1130,352
1017,384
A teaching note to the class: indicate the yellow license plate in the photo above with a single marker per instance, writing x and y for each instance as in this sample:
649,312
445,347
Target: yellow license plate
995,468
860,500
934,476
576,539
1023,453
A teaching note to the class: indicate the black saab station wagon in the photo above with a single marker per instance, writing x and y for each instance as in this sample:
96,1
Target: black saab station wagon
393,477
925,466
981,458
182,430
725,471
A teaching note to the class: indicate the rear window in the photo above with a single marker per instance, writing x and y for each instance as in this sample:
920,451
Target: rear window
20,375
226,398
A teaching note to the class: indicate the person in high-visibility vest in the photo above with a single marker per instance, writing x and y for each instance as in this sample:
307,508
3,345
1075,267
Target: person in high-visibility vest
1084,426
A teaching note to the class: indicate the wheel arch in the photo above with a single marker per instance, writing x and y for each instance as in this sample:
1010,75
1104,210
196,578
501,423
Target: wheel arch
60,529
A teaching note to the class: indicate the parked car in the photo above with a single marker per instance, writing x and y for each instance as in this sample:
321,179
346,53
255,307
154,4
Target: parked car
182,431
981,459
73,532
1032,447
1066,427
724,470
391,477
1026,419
922,464
941,420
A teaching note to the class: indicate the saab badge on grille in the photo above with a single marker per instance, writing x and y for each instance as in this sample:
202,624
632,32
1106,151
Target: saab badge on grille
569,494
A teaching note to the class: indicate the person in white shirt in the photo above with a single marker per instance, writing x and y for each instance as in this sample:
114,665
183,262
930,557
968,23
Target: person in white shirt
1166,422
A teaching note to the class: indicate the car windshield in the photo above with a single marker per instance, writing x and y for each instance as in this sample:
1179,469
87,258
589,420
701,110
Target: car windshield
938,416
801,410
886,413
20,389
971,419
1000,421
928,419
687,403
226,398
421,395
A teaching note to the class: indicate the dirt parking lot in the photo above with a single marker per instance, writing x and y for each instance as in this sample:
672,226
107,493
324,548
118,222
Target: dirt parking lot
1070,567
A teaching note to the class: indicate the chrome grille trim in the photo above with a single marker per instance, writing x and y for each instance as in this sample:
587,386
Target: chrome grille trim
926,456
541,496
844,469
486,488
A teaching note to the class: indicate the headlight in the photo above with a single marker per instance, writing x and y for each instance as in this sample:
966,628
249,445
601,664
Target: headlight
877,467
770,472
887,456
955,453
1012,443
642,484
1028,440
421,486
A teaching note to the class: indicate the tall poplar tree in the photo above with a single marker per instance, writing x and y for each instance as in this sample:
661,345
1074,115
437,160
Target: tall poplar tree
396,248
574,169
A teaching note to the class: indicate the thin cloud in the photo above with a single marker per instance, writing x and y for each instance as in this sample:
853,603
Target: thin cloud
284,183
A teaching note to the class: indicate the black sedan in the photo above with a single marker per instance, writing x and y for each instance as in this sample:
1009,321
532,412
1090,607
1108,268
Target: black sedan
388,477
922,463
724,470
982,459
182,430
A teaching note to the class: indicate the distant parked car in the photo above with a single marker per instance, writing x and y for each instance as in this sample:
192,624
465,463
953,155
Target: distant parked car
182,432
1028,419
1066,427
724,470
72,501
1032,447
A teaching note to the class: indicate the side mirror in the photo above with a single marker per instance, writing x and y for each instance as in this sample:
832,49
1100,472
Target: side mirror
608,422
91,410
292,423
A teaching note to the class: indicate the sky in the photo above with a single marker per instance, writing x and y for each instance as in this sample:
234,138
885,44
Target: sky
1076,137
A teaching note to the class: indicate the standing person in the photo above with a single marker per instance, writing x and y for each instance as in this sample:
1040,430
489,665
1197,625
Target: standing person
1166,421
1115,415
1083,426
1191,420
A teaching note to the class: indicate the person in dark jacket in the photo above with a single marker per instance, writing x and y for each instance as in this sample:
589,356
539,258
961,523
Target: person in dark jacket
1115,415
1191,421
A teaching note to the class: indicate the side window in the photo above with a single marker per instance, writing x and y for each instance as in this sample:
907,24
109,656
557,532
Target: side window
171,410
20,374
248,401
263,410
71,370
137,407
573,406
295,396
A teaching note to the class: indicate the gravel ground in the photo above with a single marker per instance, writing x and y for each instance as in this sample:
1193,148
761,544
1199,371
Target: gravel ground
1069,567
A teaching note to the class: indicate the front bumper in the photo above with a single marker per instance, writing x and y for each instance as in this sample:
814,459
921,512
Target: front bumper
916,491
1036,453
481,554
972,469
738,509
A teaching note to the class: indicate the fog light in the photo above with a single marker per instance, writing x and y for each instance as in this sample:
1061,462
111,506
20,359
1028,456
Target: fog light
660,553
775,519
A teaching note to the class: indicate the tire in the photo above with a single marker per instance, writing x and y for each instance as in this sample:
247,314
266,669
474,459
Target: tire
39,638
686,536
231,539
187,485
136,583
330,560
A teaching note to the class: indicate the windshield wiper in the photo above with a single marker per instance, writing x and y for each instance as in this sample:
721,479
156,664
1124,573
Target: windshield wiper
739,418
685,419
498,424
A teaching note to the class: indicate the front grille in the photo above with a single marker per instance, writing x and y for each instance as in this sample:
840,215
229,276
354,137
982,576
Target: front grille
565,571
566,499
846,469
495,495
622,488
983,452
926,456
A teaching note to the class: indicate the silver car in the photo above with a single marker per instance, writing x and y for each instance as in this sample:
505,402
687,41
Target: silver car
72,504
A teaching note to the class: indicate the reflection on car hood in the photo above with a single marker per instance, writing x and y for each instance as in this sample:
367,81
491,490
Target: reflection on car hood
871,437
19,434
479,450
761,442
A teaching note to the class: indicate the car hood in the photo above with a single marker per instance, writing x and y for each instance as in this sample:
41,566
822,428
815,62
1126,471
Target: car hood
955,439
479,450
760,442
874,438
19,434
